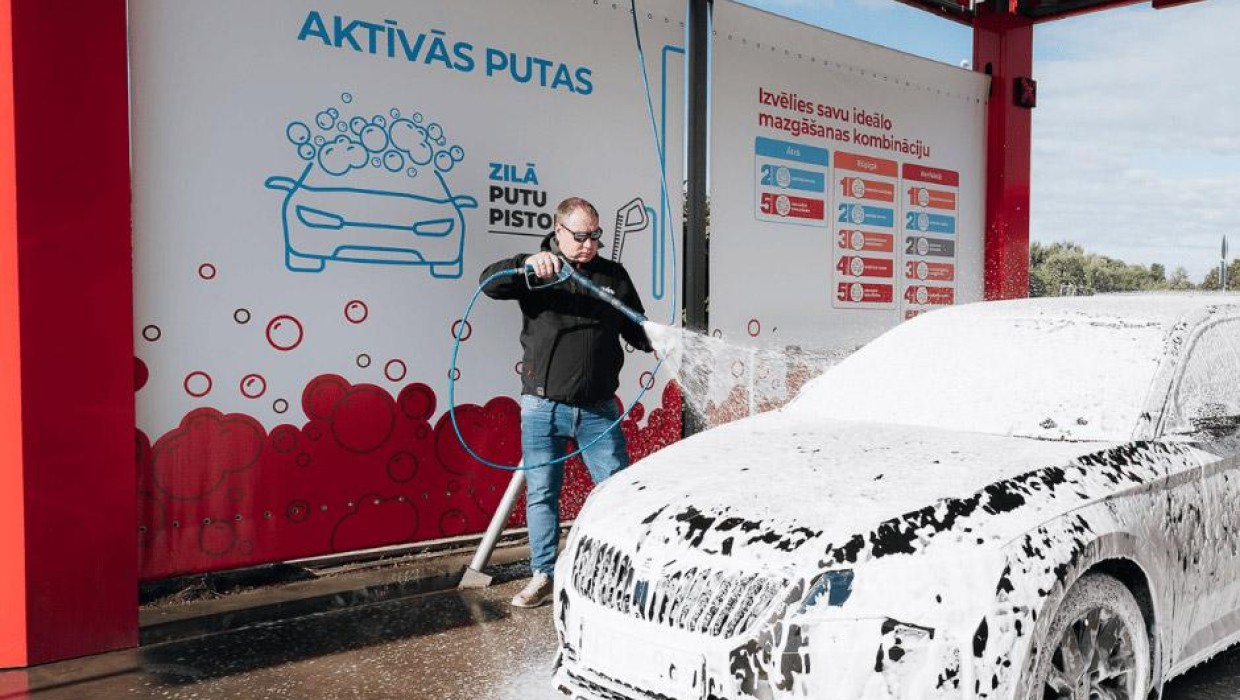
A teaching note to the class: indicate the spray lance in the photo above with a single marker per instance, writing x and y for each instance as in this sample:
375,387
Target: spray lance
567,272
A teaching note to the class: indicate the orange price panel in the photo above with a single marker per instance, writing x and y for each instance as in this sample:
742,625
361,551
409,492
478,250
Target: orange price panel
865,241
867,165
864,293
929,271
935,296
857,266
932,199
861,188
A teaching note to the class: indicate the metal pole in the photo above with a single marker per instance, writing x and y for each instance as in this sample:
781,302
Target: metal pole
696,272
473,576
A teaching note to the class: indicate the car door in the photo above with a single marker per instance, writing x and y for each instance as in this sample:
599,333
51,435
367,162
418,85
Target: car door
1203,508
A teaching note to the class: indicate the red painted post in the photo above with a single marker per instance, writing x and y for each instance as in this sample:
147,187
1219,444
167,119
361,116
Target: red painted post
1003,47
68,541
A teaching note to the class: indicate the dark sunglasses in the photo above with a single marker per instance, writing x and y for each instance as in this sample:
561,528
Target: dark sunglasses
583,236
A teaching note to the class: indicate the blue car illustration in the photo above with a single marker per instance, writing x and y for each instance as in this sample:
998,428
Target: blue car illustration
373,226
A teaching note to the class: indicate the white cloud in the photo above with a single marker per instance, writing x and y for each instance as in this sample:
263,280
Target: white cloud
1136,146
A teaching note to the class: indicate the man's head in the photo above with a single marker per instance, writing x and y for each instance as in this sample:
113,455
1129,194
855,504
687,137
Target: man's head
577,219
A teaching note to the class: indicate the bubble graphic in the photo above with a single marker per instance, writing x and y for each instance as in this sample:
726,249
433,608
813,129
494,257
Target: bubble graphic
363,360
417,117
402,466
444,162
298,133
253,386
519,368
151,333
395,113
342,155
302,459
356,311
412,172
284,333
753,327
380,120
197,384
457,153
462,332
395,370
647,380
241,316
356,124
324,120
342,128
279,405
206,271
320,140
140,374
305,152
393,161
335,113
376,162
346,97
411,138
284,439
297,511
455,374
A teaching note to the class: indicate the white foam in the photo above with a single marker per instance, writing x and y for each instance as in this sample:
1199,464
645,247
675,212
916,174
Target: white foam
722,381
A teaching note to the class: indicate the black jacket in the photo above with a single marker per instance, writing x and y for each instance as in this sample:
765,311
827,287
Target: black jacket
571,339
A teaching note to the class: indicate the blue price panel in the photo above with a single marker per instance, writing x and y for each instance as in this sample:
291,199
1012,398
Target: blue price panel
786,150
929,223
863,215
785,178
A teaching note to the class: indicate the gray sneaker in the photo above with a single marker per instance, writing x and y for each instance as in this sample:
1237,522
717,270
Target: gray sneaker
537,592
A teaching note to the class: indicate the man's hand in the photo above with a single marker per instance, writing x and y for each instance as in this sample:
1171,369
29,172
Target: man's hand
546,264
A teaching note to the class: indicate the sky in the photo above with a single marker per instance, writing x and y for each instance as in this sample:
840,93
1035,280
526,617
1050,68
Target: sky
1136,135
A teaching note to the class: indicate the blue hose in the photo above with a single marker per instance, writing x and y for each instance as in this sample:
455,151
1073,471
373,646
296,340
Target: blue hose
456,346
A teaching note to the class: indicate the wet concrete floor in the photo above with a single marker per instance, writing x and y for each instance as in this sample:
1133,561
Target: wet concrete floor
446,646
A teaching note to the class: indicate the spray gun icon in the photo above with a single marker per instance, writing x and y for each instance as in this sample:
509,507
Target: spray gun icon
634,217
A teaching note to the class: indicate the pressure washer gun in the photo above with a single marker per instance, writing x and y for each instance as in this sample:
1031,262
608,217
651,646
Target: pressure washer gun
566,273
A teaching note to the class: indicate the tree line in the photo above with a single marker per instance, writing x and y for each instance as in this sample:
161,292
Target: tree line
1064,269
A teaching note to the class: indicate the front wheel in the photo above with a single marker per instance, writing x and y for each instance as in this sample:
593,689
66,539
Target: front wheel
1096,647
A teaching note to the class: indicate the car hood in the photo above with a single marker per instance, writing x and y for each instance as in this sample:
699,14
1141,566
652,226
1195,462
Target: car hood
777,488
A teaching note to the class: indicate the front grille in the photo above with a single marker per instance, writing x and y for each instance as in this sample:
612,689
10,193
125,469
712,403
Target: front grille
704,600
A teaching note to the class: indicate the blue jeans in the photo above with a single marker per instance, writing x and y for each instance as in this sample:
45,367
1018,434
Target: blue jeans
546,428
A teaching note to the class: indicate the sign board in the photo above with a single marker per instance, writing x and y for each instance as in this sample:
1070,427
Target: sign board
317,186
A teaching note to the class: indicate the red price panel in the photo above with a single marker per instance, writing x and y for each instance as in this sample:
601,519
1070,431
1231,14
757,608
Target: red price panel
928,270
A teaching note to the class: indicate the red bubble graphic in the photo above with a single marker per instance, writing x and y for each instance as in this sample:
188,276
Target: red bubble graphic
647,380
217,539
206,271
356,311
754,328
402,466
395,370
140,374
375,522
284,333
364,418
197,384
253,386
416,401
199,455
284,439
320,397
462,331
453,523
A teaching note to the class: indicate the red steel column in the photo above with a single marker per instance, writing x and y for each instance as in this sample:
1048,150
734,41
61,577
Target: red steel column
1003,47
68,541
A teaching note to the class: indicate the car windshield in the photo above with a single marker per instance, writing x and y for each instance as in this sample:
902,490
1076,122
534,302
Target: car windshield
1058,376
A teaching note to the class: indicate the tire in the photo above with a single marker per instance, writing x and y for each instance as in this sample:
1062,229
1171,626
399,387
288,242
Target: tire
1097,646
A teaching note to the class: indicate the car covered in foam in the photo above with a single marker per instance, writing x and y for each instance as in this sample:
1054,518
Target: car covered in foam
1019,500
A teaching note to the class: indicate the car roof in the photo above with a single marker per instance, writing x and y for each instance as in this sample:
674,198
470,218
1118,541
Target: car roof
1163,309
